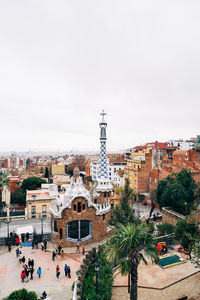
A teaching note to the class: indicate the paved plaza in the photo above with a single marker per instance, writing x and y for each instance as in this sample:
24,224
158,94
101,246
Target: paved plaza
10,270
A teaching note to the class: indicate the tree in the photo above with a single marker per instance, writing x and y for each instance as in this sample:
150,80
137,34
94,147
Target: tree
22,294
46,174
32,183
127,247
165,228
186,232
18,197
4,181
123,213
177,191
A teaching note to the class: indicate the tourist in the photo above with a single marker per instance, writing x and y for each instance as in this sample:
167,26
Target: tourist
42,246
53,255
9,247
39,271
78,247
33,244
29,263
23,259
17,241
31,272
45,245
62,254
32,263
17,252
66,269
59,249
44,295
57,272
69,272
22,275
83,250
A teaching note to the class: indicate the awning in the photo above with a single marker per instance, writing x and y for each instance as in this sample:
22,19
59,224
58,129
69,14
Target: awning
25,229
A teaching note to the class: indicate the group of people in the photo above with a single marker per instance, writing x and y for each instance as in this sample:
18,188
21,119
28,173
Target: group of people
78,248
67,271
27,269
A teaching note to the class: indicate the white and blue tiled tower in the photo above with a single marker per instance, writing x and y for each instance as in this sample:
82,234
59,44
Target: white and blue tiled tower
104,184
103,168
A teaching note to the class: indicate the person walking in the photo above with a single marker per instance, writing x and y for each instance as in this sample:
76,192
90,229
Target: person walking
65,270
78,247
22,275
31,272
32,263
53,255
69,272
57,272
45,245
59,249
17,252
39,272
29,263
17,241
83,250
42,246
9,247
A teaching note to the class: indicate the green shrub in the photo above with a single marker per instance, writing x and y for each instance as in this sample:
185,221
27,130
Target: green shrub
22,294
165,228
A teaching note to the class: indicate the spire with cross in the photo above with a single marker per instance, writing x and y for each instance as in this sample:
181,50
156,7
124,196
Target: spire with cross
103,114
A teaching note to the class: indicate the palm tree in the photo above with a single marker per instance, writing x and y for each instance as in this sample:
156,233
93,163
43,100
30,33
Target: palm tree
127,247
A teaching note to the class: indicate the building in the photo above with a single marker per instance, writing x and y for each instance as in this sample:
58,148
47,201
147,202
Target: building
58,169
79,215
38,201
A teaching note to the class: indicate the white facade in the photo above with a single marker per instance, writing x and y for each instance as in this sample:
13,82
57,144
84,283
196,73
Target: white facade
182,144
112,169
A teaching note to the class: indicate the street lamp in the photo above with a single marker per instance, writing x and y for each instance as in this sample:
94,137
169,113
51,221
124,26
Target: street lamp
41,218
8,222
97,265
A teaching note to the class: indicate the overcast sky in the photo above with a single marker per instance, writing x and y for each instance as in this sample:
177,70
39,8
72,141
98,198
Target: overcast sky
61,62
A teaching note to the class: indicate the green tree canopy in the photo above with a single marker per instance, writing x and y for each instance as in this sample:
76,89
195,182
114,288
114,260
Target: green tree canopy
177,191
186,231
123,213
165,228
32,183
46,174
4,181
22,294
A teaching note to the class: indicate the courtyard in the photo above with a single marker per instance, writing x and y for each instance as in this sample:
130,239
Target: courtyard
10,270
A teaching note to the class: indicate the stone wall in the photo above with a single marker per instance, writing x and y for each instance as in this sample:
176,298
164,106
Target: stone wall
171,216
99,223
187,287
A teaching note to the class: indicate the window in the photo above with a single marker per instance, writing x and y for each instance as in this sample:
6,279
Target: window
55,228
44,208
103,217
33,196
78,230
83,206
79,207
109,174
74,207
33,209
105,194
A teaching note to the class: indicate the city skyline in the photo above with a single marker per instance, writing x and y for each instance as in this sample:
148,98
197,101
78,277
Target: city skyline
62,63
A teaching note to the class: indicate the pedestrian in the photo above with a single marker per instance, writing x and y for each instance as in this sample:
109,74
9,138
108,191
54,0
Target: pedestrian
42,246
78,247
32,263
59,249
53,255
44,295
57,272
31,272
69,272
33,244
83,250
22,275
36,244
9,247
29,263
62,254
23,259
17,241
45,245
39,271
66,269
17,252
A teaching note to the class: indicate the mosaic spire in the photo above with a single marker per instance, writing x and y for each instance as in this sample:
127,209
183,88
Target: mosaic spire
103,169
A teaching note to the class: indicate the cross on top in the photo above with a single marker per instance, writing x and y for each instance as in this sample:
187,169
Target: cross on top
103,114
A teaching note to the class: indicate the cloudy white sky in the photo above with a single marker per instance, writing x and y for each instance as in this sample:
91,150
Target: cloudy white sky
61,62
